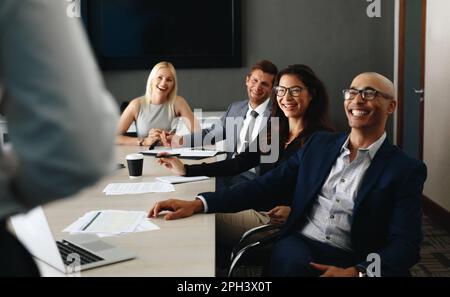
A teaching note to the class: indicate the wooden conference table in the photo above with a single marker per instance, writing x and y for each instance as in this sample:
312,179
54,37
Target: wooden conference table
180,248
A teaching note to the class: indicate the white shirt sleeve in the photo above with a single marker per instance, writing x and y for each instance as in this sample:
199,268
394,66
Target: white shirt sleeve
61,120
205,205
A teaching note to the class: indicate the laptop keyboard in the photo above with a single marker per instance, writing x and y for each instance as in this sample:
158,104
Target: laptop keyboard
66,248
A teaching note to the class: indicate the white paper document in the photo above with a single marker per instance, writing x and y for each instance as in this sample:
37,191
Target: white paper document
137,188
174,179
111,223
146,225
183,152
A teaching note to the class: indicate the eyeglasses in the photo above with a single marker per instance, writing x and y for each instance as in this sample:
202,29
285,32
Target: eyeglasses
280,91
366,94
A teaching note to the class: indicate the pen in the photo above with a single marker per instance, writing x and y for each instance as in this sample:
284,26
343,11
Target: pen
91,221
172,130
167,156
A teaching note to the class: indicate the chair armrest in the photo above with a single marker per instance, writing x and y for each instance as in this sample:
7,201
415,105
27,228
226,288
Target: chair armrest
251,232
238,253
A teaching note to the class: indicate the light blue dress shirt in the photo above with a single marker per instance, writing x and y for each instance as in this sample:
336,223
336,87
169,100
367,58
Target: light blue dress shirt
330,219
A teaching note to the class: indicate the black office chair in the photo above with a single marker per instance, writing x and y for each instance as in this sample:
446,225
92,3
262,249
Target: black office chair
244,249
123,106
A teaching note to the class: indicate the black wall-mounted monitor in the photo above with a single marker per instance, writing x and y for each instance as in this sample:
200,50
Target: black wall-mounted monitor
136,34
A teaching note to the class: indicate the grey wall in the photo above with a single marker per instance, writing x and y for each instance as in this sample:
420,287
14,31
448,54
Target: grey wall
335,37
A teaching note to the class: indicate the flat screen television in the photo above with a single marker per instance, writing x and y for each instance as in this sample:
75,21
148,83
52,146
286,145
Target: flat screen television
136,34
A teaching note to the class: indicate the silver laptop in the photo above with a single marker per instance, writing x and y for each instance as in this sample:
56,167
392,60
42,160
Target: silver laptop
73,253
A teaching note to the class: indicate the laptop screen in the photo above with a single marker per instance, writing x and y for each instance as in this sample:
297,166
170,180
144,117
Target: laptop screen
33,231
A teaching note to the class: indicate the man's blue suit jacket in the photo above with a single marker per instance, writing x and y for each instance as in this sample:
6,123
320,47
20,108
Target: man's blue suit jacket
387,216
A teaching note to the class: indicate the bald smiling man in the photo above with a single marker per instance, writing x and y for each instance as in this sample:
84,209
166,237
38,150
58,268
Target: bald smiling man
355,198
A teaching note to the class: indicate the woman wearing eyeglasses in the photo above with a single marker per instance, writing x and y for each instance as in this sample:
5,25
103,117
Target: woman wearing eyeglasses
300,101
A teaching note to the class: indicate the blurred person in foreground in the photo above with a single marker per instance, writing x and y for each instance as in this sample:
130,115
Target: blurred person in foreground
61,119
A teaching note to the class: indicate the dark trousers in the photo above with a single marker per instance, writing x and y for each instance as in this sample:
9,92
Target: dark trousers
292,255
14,258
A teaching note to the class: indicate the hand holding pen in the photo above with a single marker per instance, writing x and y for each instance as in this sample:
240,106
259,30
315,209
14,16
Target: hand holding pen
171,162
152,139
159,136
171,139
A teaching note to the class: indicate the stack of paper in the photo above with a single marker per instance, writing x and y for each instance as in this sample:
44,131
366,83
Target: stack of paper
137,188
111,223
174,179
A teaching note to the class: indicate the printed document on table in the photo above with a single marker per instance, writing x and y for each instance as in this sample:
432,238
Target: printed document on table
112,223
137,188
146,225
109,221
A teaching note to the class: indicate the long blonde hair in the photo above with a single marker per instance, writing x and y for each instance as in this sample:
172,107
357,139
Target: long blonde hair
173,93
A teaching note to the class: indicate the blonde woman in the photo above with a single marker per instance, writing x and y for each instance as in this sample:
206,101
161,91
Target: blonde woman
156,112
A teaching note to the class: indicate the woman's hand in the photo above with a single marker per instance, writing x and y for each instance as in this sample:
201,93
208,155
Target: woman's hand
154,135
279,215
173,164
171,140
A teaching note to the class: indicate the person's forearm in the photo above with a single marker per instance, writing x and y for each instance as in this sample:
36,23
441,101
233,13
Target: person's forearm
198,206
127,140
197,170
241,163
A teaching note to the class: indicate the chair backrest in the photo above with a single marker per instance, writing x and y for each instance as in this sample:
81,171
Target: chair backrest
123,106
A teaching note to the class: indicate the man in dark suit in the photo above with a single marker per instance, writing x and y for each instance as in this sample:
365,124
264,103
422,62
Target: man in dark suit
354,197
